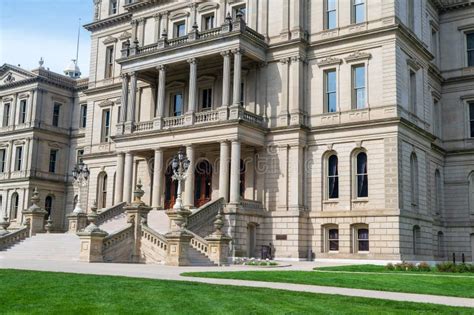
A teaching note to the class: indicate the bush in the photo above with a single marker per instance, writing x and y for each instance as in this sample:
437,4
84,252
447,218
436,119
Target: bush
424,266
446,267
390,267
463,268
404,266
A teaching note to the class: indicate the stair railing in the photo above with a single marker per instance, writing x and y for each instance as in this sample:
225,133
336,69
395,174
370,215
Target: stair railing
199,243
205,214
14,237
153,242
110,213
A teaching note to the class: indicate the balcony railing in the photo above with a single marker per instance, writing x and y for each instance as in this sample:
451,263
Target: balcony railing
230,27
208,116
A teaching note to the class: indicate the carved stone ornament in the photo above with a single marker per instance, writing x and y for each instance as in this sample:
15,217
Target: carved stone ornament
357,55
125,35
110,40
106,103
9,79
329,61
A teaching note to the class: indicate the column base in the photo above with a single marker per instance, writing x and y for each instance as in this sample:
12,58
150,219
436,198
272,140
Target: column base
223,113
297,119
189,119
128,127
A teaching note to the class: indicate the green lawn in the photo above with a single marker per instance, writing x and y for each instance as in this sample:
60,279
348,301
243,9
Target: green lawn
377,268
408,283
30,292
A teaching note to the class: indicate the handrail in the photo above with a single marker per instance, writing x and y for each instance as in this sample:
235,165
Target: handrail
148,230
118,237
198,243
109,213
14,237
205,213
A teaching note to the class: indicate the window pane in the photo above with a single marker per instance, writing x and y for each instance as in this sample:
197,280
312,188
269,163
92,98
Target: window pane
470,41
333,234
359,76
362,163
333,245
363,234
331,5
472,128
364,246
178,104
359,11
331,81
333,166
360,98
470,59
333,187
331,20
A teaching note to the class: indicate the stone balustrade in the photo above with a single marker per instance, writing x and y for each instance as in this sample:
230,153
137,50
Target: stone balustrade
154,246
12,238
199,243
204,214
110,213
117,247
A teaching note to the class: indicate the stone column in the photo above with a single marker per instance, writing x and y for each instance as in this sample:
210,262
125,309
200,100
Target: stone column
283,118
192,85
157,179
164,23
189,183
235,173
295,87
295,177
157,27
119,178
124,101
132,103
284,33
134,30
296,19
237,76
226,79
224,171
142,31
128,178
161,96
33,100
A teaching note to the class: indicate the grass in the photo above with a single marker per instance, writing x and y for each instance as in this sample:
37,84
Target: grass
435,285
31,292
382,269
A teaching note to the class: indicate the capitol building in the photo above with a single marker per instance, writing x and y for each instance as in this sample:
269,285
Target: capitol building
329,129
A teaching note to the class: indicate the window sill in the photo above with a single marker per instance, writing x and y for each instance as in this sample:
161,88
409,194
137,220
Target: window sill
360,200
332,252
331,201
363,252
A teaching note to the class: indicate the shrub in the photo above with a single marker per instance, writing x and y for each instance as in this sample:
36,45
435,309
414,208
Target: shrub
390,267
446,267
404,266
462,268
424,266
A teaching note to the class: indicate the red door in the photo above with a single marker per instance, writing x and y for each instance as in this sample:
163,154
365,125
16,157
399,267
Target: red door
202,183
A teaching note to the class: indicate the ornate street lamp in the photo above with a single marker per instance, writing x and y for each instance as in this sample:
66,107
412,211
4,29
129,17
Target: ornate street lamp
80,175
180,165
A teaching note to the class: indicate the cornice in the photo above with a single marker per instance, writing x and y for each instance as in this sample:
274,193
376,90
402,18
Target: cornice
113,20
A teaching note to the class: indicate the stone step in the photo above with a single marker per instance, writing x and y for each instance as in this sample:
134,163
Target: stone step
196,258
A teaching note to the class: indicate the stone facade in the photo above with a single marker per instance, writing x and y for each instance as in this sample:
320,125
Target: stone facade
338,132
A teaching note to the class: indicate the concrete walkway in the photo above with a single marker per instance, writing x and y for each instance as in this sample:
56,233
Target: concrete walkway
173,273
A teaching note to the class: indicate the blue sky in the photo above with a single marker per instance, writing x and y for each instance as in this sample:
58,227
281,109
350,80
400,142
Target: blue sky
31,29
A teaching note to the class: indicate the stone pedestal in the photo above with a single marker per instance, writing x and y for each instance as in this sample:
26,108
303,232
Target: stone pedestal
77,222
218,248
92,242
34,215
4,226
178,247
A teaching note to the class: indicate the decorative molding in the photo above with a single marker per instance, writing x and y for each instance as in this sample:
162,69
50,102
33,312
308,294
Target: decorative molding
329,61
206,78
179,14
7,99
24,95
55,145
207,7
176,84
9,79
19,142
106,103
125,35
357,55
109,40
467,97
414,64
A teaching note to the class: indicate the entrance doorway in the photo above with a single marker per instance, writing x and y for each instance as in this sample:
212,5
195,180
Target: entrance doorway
202,183
251,239
171,188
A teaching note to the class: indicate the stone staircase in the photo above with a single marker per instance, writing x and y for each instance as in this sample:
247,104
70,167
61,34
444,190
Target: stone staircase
114,224
197,258
58,247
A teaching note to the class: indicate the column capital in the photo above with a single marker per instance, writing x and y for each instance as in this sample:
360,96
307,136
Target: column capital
226,141
158,149
124,75
132,74
235,140
140,20
285,60
225,53
192,61
161,68
238,51
157,16
134,22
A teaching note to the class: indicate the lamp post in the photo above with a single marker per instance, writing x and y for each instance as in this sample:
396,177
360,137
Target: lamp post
180,165
80,174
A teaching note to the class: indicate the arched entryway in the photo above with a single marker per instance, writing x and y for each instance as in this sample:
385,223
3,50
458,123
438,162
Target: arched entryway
202,183
171,188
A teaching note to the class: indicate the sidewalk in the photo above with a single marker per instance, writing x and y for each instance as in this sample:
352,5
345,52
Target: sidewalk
173,273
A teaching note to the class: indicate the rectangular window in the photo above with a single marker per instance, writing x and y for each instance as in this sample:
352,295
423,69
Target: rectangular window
83,117
206,95
413,91
113,7
436,119
358,11
56,113
330,14
22,118
331,90
242,93
242,9
3,157
333,239
471,119
6,115
119,113
358,87
177,104
105,137
109,62
363,240
208,21
179,29
411,14
470,49
434,44
53,154
80,153
18,158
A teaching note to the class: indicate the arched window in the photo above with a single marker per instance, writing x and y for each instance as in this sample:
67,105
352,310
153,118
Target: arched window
48,206
440,244
102,190
360,237
333,177
14,206
438,193
414,179
416,239
76,200
362,176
